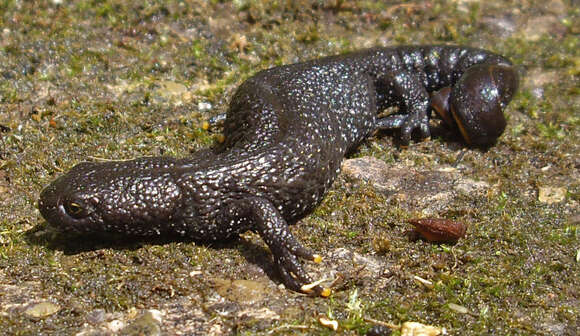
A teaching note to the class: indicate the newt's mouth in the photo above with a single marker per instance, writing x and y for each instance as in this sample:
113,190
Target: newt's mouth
48,204
51,207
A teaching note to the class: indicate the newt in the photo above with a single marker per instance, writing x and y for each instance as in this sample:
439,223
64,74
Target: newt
286,132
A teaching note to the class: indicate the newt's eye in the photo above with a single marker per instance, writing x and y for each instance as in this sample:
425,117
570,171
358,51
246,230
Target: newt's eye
76,209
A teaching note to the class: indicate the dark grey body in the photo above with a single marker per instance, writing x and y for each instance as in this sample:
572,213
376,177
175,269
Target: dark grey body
286,132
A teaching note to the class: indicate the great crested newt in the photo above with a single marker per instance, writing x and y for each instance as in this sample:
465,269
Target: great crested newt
286,132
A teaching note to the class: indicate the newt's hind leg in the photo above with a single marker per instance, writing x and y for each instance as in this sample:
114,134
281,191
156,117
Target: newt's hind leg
405,89
286,249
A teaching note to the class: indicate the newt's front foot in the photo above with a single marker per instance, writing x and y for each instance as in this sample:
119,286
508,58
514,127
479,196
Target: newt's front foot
407,123
414,104
286,249
418,121
293,274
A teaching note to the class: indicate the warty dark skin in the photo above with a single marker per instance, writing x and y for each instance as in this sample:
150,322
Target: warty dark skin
286,132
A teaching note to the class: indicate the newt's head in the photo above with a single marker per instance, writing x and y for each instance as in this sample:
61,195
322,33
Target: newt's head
476,102
111,197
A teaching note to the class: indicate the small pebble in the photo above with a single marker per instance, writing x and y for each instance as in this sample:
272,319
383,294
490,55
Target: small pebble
379,330
42,309
419,329
204,106
331,324
458,308
551,195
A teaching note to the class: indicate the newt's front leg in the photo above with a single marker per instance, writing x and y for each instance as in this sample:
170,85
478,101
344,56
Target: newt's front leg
413,100
286,249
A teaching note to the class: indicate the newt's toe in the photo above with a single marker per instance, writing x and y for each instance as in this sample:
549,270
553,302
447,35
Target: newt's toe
326,292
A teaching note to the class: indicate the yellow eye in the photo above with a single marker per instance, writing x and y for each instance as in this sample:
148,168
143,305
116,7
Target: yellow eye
75,210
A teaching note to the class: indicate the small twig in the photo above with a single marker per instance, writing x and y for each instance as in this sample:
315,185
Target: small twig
289,326
459,158
100,159
339,277
385,324
408,7
454,258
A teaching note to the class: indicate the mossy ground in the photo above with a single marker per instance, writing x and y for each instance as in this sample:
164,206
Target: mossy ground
115,79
